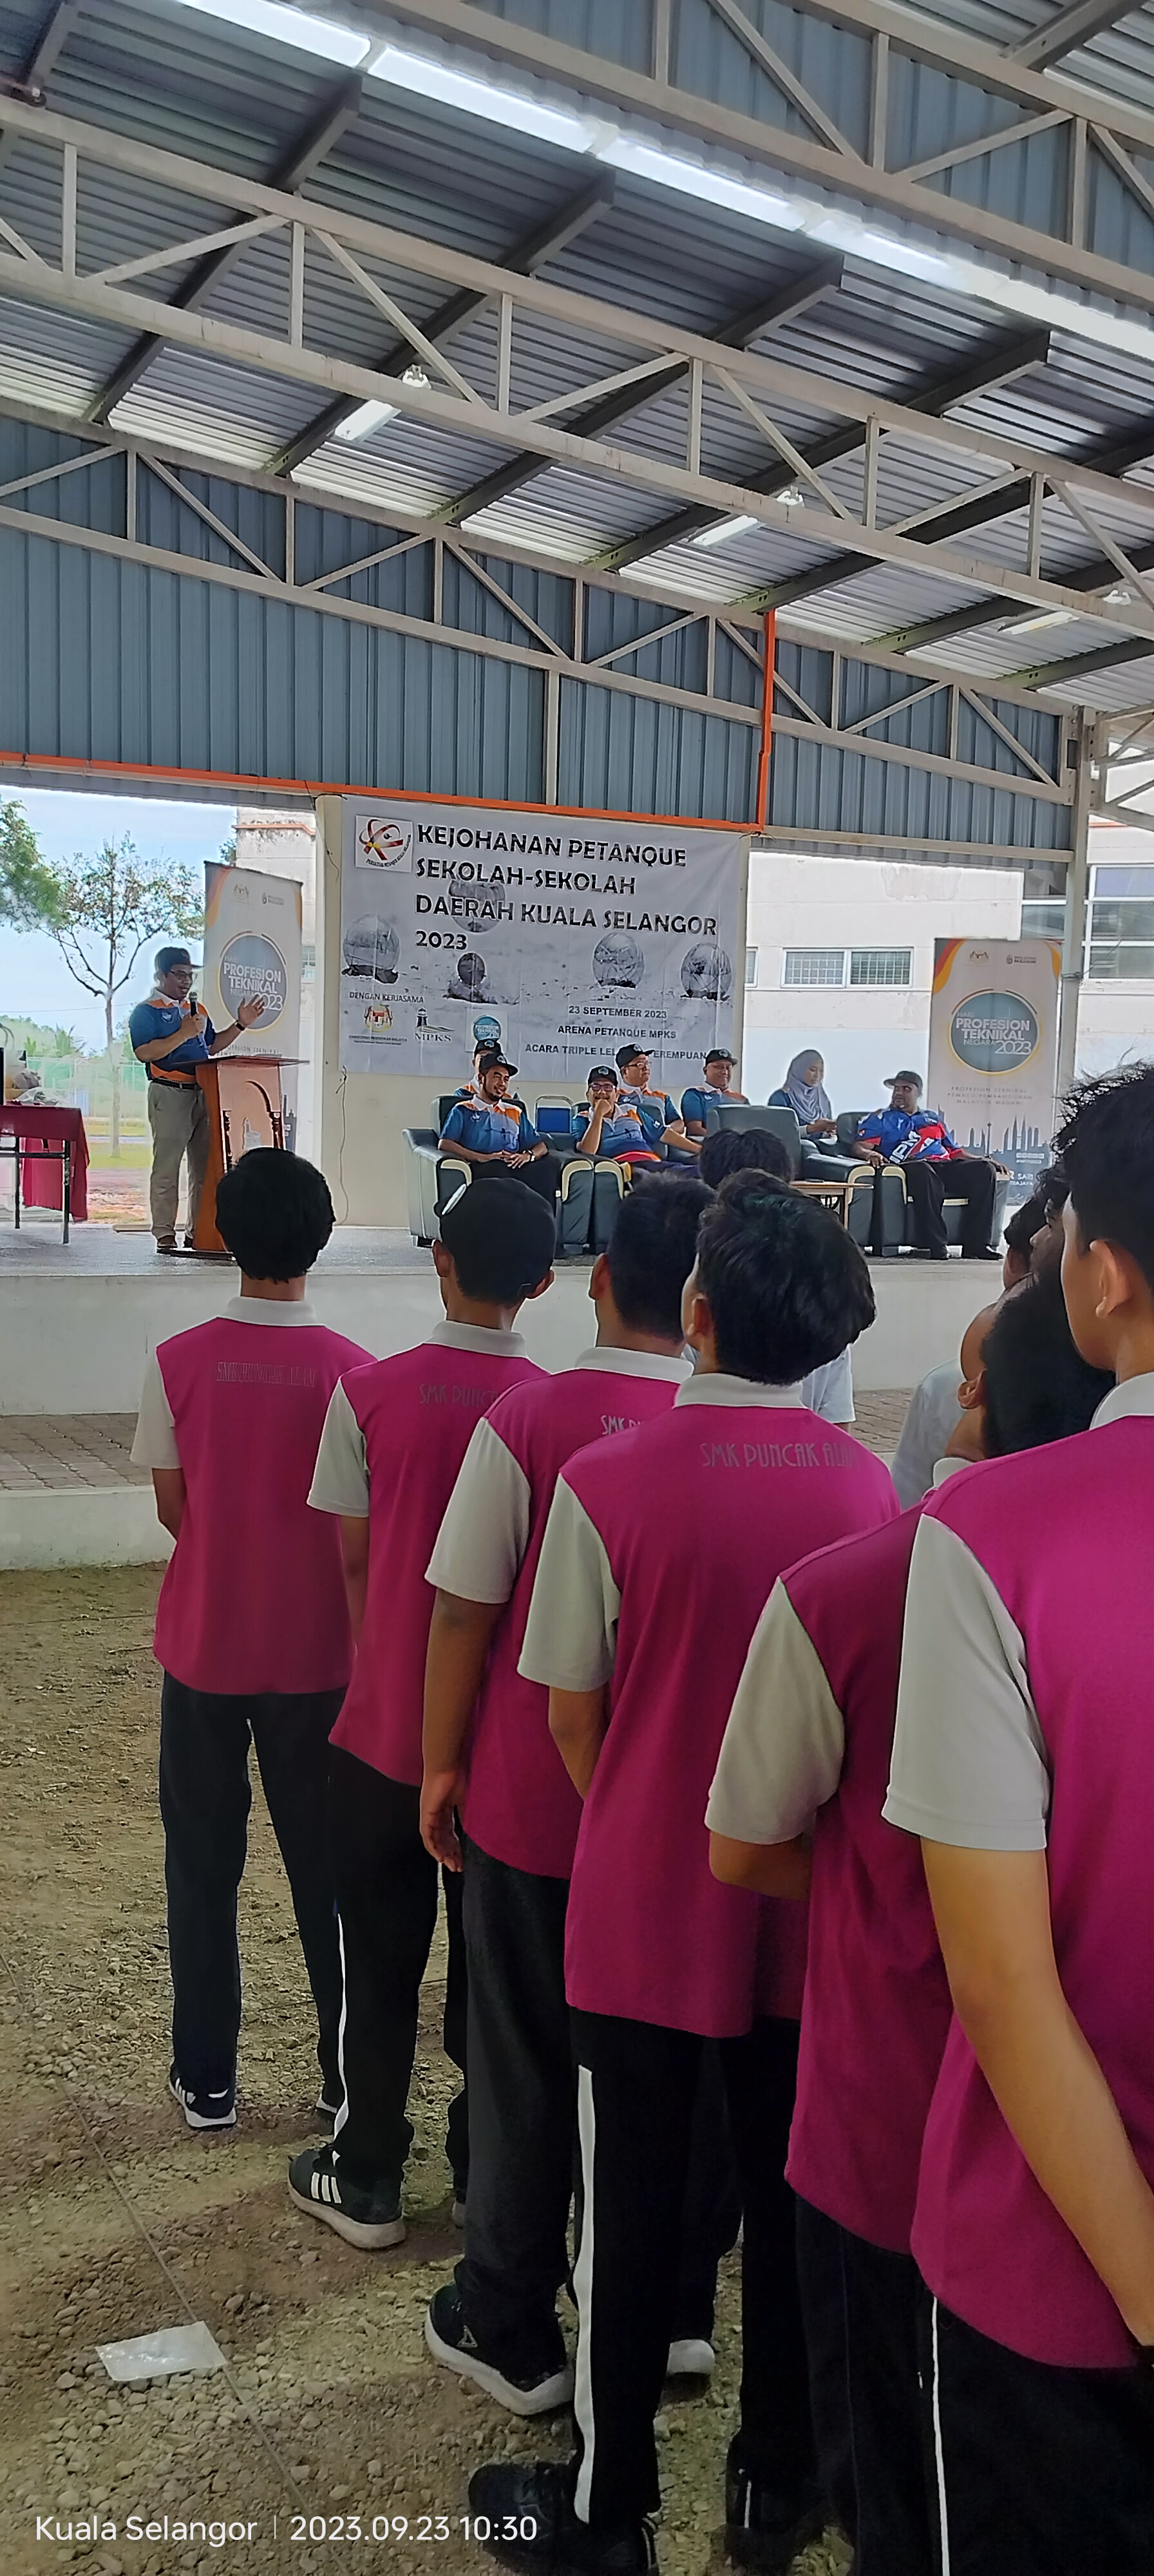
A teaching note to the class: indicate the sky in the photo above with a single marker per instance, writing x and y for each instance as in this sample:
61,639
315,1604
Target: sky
34,981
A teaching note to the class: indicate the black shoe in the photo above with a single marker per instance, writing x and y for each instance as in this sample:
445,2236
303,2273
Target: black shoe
528,2506
937,1252
763,2531
985,1252
536,2389
370,2219
203,2110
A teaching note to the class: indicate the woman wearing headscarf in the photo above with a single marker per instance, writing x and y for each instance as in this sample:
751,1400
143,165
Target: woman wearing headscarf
804,1092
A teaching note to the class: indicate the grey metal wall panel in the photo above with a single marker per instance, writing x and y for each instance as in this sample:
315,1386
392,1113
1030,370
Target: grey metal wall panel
636,755
818,789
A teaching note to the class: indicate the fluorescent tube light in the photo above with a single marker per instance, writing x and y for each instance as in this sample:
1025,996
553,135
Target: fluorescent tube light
1045,617
362,422
726,529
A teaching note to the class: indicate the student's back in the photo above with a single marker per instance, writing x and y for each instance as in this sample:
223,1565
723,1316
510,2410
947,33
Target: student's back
253,1599
732,1475
415,1415
520,1804
1058,1542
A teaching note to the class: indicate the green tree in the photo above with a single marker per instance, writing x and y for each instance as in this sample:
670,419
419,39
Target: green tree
28,892
105,909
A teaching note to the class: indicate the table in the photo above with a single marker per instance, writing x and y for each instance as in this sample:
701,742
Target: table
834,1195
53,1137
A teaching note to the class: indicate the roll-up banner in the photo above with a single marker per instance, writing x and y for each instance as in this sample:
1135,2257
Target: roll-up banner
993,1047
559,937
252,945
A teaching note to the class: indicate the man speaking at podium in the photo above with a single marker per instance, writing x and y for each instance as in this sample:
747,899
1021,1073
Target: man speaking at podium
171,1034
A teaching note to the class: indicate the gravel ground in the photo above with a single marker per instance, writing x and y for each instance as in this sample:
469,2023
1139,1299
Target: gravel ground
115,2221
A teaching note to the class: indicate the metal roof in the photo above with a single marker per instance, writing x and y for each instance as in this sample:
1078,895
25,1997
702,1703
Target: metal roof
937,400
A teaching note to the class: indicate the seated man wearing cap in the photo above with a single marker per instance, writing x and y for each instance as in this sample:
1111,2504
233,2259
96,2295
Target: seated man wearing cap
717,1086
170,1035
610,1128
497,1137
932,1162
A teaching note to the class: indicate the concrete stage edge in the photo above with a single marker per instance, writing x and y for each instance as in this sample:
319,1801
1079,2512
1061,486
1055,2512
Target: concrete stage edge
76,1327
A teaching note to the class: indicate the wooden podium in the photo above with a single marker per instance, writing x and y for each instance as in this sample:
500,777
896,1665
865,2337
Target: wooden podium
245,1109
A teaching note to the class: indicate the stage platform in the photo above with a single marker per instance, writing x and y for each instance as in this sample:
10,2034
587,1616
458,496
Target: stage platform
77,1323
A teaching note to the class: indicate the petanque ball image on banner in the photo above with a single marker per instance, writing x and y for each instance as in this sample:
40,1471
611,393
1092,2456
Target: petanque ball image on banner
561,937
993,1047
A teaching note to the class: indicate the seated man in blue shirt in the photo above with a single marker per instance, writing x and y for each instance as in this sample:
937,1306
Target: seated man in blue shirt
170,1035
932,1162
663,1124
718,1085
609,1128
496,1136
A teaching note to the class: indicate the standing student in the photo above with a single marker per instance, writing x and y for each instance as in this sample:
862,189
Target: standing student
171,1034
498,2323
393,1442
252,1628
809,1738
1024,1761
660,1549
934,1412
825,1391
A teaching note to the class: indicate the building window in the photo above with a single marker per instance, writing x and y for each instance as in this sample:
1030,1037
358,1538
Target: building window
1043,920
880,965
814,966
1121,925
751,965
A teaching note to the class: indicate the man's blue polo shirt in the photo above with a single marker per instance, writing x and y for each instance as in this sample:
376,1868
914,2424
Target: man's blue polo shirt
161,1019
490,1128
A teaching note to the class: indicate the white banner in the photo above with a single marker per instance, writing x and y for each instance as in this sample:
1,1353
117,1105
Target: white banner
993,1047
252,945
559,937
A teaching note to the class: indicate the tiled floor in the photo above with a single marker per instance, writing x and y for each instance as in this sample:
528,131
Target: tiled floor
67,1449
92,1449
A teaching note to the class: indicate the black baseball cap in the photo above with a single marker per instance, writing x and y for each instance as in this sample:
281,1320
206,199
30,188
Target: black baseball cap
493,1057
718,1055
167,958
603,1073
907,1076
625,1054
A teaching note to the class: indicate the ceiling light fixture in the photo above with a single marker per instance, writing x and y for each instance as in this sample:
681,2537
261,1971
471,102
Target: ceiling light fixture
1044,617
364,420
725,529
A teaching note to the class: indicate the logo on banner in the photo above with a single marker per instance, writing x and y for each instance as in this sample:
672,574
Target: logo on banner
378,1018
252,966
384,843
994,1032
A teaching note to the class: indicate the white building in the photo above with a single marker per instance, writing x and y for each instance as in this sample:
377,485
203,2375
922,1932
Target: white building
841,958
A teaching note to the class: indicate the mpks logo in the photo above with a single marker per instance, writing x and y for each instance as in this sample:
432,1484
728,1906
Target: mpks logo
382,842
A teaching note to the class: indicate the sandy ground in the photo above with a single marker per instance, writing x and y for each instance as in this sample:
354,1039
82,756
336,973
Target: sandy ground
114,2221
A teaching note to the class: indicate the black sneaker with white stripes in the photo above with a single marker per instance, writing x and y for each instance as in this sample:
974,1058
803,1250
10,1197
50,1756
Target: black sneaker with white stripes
203,2110
528,2385
370,2219
528,2506
763,2529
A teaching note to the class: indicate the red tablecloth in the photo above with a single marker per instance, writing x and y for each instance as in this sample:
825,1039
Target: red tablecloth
42,1184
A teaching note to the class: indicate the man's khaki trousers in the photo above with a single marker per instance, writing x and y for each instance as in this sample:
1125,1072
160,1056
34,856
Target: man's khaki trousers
178,1117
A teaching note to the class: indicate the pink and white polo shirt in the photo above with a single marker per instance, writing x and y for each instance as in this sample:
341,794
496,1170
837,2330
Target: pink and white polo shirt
393,1442
1025,1723
660,1550
254,1597
520,1803
808,1748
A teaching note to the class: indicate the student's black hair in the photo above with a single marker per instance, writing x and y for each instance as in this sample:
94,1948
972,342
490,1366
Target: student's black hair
787,1286
1025,1223
1052,1191
1038,1387
651,1252
1107,1154
742,1149
274,1212
501,1238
